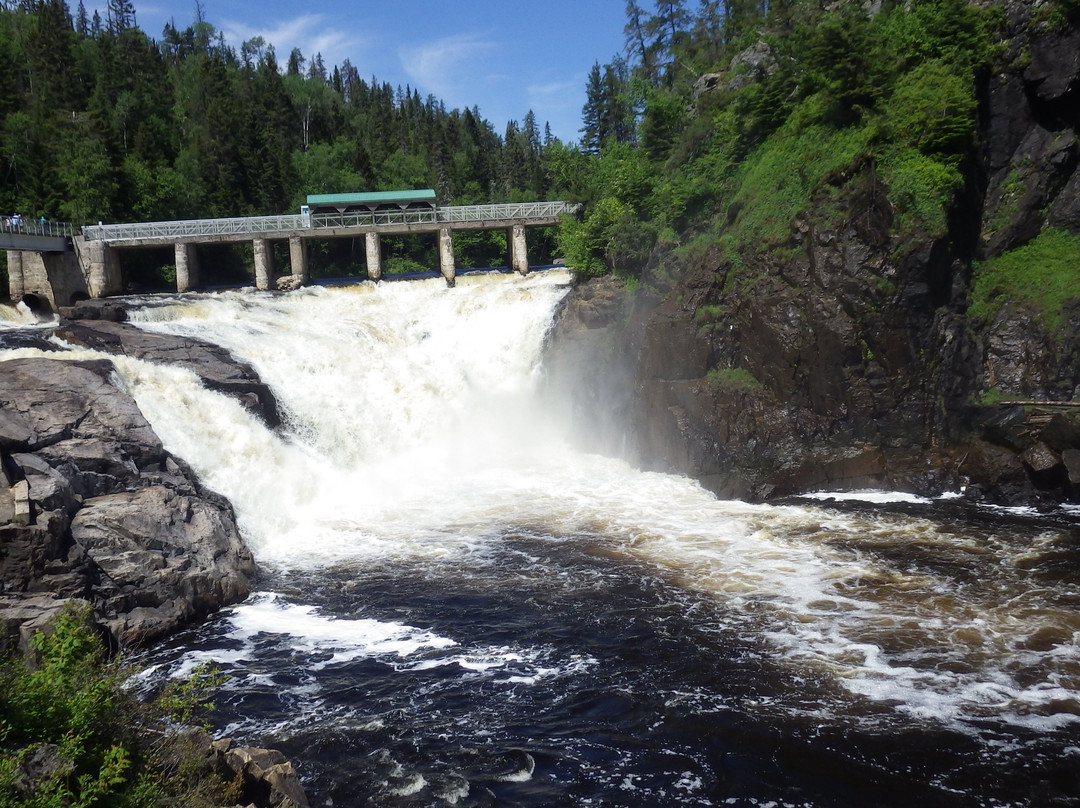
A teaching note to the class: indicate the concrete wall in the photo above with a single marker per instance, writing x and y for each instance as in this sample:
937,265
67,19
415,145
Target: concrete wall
100,266
53,277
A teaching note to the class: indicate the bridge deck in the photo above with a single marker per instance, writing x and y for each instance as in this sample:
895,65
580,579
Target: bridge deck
459,217
36,236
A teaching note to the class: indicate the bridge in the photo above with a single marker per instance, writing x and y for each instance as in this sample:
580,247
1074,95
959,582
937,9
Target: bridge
35,235
92,267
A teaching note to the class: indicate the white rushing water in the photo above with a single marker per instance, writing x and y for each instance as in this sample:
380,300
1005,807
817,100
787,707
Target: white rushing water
414,432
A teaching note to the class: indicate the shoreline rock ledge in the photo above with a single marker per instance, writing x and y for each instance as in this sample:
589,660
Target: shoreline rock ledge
92,506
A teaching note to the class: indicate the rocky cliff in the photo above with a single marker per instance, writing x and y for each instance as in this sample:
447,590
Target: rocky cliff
851,358
91,505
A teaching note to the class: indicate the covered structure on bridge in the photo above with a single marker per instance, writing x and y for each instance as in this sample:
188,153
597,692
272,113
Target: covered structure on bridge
372,201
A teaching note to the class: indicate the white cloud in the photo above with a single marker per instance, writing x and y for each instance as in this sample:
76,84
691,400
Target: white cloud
442,66
312,33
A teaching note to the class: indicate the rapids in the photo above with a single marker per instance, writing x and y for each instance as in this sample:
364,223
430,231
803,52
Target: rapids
460,608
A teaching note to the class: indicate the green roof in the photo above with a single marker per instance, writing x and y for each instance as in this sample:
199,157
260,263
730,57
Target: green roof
425,195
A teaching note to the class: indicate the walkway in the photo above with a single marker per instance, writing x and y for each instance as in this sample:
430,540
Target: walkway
33,235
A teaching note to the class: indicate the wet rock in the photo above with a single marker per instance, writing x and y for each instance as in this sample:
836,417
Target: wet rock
96,310
1040,458
289,283
1071,459
217,368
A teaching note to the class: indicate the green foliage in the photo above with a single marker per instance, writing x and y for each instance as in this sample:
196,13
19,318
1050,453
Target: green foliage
776,181
109,749
664,119
992,396
933,109
828,101
921,188
399,265
1042,275
1059,14
326,168
732,380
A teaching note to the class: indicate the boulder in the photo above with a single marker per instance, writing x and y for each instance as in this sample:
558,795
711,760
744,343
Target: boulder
266,777
163,558
92,507
47,402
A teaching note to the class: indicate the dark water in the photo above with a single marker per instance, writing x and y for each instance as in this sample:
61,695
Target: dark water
578,679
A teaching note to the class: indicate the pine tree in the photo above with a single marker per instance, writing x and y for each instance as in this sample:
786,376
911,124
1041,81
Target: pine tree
295,65
121,14
592,115
82,22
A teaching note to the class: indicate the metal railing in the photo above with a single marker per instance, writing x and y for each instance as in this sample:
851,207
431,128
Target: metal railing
36,227
195,228
511,210
295,223
367,218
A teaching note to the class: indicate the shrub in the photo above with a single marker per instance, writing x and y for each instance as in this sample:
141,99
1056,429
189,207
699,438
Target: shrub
933,109
107,748
921,188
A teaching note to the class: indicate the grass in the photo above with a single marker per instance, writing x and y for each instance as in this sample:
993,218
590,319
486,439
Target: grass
732,380
1043,275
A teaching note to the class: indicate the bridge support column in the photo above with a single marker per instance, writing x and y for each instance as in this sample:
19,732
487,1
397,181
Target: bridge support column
515,242
298,260
187,266
100,266
15,275
373,249
264,264
446,256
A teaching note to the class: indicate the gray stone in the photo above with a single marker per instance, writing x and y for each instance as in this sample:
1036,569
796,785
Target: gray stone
1071,458
100,510
1041,458
165,559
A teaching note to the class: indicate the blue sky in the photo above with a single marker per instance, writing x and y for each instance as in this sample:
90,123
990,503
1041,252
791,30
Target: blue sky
505,56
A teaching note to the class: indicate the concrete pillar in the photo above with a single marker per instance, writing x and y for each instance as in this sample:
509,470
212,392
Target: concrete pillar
15,275
187,266
519,257
446,256
298,260
264,264
100,267
374,255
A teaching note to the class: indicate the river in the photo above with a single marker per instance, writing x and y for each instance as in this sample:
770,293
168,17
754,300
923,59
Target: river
458,607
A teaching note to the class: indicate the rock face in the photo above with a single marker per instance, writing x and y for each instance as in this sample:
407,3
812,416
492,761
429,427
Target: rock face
850,362
93,507
212,363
